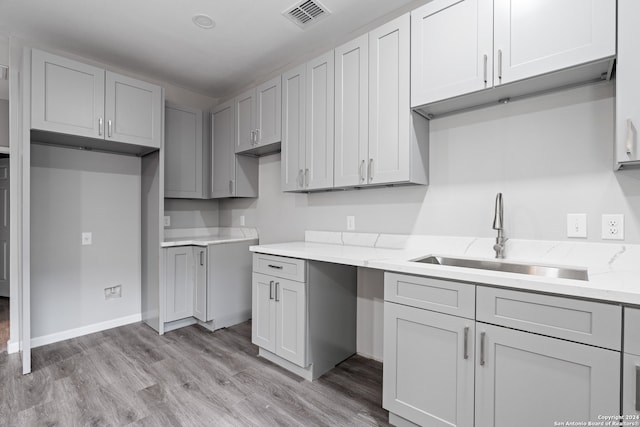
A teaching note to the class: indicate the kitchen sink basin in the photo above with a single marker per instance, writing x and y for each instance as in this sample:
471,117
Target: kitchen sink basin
509,267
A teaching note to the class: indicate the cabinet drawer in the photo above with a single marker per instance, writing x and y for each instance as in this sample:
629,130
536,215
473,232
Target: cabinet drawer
581,321
287,268
431,294
632,330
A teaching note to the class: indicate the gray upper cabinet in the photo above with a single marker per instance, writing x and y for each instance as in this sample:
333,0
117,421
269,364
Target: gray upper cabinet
184,168
258,122
73,98
232,175
67,96
293,128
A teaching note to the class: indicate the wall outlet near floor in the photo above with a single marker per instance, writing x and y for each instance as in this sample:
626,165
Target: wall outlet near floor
351,222
613,226
113,292
87,239
576,225
242,222
167,221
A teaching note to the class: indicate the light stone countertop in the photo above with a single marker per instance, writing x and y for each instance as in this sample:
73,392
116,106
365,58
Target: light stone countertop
613,268
207,236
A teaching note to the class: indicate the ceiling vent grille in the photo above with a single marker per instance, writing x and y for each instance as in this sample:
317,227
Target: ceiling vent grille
306,13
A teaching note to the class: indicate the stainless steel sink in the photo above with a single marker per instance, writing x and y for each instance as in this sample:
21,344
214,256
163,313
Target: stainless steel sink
509,267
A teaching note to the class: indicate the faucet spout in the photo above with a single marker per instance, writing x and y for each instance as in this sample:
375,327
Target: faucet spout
498,224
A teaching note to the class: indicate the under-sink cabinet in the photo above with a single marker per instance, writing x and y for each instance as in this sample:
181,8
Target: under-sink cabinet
73,98
518,352
304,313
485,44
631,362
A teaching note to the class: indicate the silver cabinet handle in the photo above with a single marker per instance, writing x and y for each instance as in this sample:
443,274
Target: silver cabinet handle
277,267
252,137
466,343
370,170
360,171
300,179
100,126
277,293
485,69
306,178
257,136
230,186
637,388
500,64
271,289
482,335
201,257
629,140
109,127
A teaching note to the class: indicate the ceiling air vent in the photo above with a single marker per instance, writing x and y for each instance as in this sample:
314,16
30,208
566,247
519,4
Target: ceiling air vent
306,13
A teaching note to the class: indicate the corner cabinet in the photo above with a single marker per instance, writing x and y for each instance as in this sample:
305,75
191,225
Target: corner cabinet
627,117
489,43
518,352
73,98
290,301
232,175
258,124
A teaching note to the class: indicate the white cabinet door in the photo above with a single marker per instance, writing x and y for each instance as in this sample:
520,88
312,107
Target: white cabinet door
627,84
263,312
268,113
133,111
428,366
200,284
223,153
519,373
389,112
291,314
451,49
66,96
631,385
536,37
179,283
245,120
351,112
293,128
183,152
318,171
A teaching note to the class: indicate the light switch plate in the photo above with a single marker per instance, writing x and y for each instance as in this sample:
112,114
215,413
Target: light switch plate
167,221
577,225
87,239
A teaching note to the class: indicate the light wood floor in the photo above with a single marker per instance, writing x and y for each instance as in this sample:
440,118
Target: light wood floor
188,377
4,323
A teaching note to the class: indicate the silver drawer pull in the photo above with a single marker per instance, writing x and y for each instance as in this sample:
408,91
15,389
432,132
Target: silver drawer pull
482,335
277,267
466,342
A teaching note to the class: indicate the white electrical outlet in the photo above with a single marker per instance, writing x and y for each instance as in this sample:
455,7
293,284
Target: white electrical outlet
113,292
576,225
167,221
351,222
242,220
613,226
87,239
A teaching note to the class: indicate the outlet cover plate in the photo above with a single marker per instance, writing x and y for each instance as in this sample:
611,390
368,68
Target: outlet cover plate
612,226
351,222
87,239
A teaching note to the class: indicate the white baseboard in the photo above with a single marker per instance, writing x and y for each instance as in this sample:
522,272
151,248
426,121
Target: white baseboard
13,347
84,330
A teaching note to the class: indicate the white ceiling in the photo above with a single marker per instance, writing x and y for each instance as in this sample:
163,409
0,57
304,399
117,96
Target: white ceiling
157,38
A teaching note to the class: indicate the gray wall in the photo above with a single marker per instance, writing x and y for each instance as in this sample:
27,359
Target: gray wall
75,191
550,155
191,213
4,123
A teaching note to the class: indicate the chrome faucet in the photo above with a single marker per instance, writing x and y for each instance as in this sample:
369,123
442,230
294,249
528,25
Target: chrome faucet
498,224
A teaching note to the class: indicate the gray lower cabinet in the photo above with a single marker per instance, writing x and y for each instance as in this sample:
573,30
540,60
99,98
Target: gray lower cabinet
631,363
179,280
533,359
232,175
73,98
186,168
304,313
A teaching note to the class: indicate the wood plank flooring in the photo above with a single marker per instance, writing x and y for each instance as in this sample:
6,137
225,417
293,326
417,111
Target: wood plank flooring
188,377
4,323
